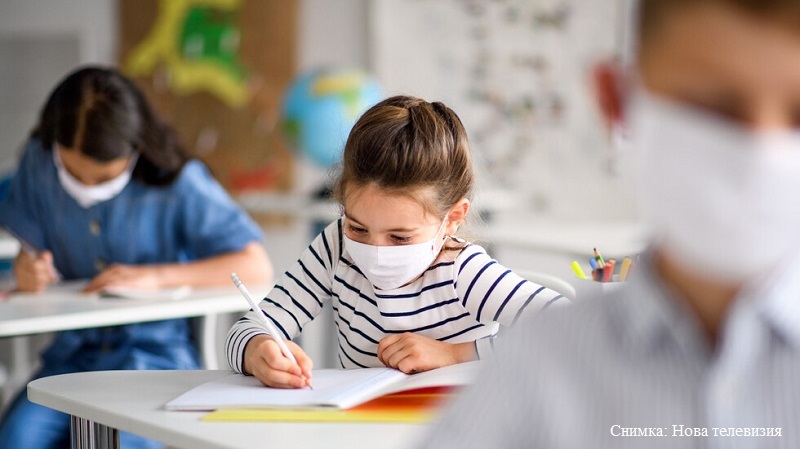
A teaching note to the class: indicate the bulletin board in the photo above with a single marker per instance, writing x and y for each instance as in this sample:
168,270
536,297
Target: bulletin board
216,70
517,73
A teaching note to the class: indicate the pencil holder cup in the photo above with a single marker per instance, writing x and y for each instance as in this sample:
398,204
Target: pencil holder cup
587,289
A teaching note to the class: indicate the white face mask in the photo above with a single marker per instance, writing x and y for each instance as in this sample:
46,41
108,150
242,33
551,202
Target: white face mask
87,196
390,267
721,199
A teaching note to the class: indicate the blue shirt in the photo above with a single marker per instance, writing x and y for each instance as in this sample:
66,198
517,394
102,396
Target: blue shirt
634,369
192,218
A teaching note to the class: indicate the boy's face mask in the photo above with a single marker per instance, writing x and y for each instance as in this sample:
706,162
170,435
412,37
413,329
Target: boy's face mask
723,200
89,195
390,267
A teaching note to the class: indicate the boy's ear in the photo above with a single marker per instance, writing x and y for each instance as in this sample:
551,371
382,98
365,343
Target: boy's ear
456,216
607,81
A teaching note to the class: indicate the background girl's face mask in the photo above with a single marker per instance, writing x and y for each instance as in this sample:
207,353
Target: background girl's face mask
87,196
721,199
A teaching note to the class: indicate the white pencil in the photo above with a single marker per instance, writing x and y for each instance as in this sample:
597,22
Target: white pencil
274,333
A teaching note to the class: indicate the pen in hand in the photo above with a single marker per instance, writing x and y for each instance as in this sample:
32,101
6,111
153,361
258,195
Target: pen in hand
36,255
266,322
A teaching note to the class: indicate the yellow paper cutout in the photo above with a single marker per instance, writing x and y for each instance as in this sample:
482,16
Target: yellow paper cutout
186,77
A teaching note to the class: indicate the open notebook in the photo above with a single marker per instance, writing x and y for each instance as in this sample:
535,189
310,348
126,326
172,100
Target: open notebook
333,389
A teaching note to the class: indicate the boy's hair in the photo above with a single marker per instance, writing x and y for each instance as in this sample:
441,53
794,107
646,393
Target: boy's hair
786,12
409,146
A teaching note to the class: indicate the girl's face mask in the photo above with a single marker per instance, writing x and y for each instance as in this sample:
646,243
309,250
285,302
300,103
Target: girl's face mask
721,199
89,195
390,267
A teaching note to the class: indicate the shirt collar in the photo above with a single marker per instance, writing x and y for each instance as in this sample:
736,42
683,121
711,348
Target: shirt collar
655,313
777,301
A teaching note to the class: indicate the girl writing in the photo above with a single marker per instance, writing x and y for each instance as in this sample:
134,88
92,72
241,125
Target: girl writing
406,293
105,192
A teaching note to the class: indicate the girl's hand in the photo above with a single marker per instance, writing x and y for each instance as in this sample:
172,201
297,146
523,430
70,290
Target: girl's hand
264,360
412,353
34,274
144,277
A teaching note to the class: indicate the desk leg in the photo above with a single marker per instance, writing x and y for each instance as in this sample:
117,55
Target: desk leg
87,434
208,341
20,370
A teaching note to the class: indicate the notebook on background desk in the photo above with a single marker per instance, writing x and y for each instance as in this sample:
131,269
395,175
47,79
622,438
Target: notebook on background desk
77,286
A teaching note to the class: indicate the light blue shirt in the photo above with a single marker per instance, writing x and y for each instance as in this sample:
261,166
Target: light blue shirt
192,218
633,369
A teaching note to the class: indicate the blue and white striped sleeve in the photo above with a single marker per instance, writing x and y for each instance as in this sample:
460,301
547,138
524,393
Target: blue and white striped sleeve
295,300
493,293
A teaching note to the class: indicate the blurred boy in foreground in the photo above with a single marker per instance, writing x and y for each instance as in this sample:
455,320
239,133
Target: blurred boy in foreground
702,348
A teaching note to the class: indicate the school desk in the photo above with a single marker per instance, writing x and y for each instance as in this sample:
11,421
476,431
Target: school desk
102,403
60,309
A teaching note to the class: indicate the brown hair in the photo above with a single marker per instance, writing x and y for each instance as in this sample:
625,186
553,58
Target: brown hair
405,144
653,12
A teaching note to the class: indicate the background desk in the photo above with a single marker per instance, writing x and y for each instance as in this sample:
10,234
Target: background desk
549,246
62,308
133,401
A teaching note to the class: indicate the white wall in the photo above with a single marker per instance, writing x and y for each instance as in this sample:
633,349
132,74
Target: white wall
333,33
94,21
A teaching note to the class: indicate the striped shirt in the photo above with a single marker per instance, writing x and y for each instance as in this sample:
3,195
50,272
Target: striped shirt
464,296
634,369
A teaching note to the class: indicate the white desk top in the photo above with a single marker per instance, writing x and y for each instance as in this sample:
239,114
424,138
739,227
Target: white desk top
63,308
133,401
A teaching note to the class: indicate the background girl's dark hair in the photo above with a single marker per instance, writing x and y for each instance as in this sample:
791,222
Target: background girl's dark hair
105,116
409,146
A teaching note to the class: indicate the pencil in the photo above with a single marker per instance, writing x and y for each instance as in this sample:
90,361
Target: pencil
600,262
623,271
608,271
576,267
266,322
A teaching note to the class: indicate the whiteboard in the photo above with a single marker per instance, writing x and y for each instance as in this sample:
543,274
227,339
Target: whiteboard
516,72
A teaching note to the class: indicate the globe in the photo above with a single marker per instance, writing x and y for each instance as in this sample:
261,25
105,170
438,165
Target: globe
320,108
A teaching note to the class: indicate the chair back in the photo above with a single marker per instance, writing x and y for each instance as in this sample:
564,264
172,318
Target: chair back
550,281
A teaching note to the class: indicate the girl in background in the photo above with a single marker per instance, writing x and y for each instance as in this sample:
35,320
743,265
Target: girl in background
105,191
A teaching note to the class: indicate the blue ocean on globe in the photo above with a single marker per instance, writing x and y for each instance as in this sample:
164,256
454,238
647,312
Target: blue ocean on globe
320,108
